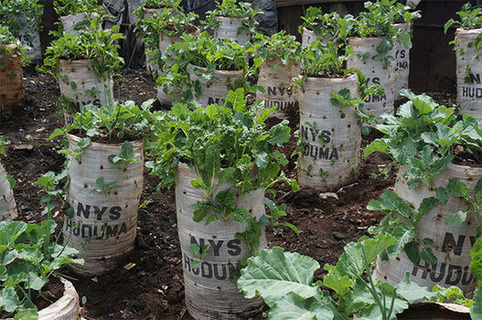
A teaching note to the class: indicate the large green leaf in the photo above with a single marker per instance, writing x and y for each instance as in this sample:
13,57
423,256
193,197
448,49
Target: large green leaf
390,202
476,309
9,299
411,291
476,263
295,307
275,273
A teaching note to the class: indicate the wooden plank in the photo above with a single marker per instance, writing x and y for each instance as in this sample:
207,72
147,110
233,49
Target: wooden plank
287,3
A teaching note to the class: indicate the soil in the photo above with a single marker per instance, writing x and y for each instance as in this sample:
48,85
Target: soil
148,284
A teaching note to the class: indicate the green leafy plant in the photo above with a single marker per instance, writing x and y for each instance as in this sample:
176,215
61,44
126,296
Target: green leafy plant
103,187
92,43
28,261
280,45
328,26
476,268
9,178
229,142
29,257
205,52
16,14
126,157
233,9
199,253
166,22
470,18
324,60
285,281
67,7
10,48
377,21
157,4
423,135
115,121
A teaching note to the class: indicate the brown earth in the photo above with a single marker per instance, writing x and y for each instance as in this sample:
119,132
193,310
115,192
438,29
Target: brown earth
152,288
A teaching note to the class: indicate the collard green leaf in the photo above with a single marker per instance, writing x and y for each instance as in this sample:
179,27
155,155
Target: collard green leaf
427,255
280,134
295,307
476,309
476,263
412,251
389,201
411,291
404,235
26,314
458,188
456,218
275,273
9,299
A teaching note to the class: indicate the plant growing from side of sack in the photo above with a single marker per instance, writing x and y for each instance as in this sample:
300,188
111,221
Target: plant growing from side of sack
328,26
30,257
377,21
233,9
68,7
16,14
425,138
205,52
229,142
280,45
469,18
166,22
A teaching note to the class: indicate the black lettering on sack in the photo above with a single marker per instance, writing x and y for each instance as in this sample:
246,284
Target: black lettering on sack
469,92
447,274
212,100
115,213
234,247
219,271
215,246
450,245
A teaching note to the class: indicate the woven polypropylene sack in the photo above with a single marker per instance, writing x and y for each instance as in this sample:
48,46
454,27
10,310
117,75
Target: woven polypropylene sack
65,308
12,93
79,82
469,93
8,208
29,36
216,89
276,80
330,134
233,29
210,291
451,245
402,59
103,227
364,49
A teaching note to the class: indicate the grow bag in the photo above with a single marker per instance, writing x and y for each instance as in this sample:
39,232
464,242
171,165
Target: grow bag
307,37
103,227
402,59
233,29
451,245
275,78
375,73
66,308
150,66
70,23
12,93
8,208
164,43
29,36
330,134
79,82
215,89
469,87
210,291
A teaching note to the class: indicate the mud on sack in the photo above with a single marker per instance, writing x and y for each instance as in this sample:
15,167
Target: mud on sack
104,221
211,293
451,244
